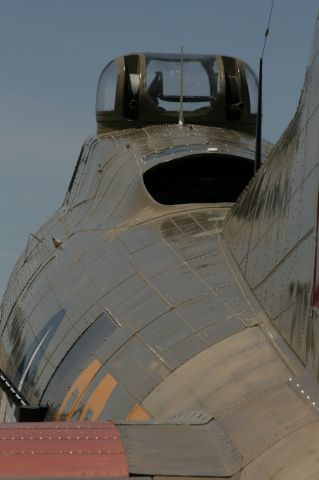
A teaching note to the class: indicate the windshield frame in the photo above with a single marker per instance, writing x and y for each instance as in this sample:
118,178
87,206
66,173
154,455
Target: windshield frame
204,64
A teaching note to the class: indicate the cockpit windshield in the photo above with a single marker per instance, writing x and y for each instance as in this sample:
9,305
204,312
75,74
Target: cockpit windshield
141,89
201,80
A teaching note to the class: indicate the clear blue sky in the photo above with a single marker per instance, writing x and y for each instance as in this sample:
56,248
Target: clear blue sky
53,51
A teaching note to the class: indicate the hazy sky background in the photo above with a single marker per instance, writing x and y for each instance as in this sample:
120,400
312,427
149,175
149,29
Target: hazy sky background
52,53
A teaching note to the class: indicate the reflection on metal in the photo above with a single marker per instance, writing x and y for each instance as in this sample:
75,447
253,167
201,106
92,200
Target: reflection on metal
203,312
27,366
273,239
33,356
97,400
78,370
77,390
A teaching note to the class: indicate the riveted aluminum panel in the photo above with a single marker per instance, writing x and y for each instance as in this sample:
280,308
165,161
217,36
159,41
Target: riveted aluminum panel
212,270
106,267
23,331
138,368
139,238
161,138
59,450
185,450
175,342
165,332
40,382
310,153
235,300
135,302
218,331
28,302
71,248
85,241
120,170
214,220
192,246
243,383
82,352
92,399
203,311
183,350
187,225
89,316
203,253
30,342
296,267
124,203
237,368
155,259
75,216
33,301
118,406
46,309
282,237
179,285
272,228
170,230
63,345
171,396
120,337
292,458
274,414
76,286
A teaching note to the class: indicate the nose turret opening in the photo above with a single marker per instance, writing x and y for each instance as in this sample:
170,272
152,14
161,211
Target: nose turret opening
201,178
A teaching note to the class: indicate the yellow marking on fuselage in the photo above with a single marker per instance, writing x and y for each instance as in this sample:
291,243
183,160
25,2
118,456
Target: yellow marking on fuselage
138,413
79,387
99,397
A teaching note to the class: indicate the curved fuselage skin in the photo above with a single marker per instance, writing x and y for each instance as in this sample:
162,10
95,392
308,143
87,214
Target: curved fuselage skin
126,309
106,269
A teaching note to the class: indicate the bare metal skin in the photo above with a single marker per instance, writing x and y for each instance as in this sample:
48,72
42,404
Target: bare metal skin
129,304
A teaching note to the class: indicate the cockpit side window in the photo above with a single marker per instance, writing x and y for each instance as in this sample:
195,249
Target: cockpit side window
201,82
106,91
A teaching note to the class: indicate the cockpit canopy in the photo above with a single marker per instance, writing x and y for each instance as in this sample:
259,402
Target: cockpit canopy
143,89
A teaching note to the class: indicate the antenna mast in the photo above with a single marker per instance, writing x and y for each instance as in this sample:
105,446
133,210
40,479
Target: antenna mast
259,110
181,108
259,118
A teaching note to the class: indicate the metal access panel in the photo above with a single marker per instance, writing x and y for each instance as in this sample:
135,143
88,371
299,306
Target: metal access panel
180,450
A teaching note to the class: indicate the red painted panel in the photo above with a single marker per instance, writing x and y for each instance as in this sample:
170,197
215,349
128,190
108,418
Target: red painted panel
61,450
